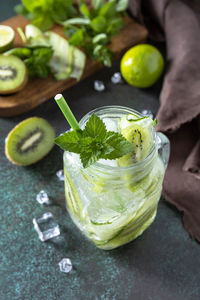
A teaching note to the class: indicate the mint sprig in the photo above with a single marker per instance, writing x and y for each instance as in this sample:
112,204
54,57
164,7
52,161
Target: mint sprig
94,142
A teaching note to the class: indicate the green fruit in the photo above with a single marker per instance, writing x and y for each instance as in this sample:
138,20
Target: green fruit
137,131
142,65
7,36
13,74
72,196
35,36
62,60
29,141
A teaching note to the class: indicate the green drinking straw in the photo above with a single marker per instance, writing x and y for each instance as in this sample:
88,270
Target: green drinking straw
60,100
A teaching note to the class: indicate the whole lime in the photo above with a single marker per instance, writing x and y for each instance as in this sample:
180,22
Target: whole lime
142,65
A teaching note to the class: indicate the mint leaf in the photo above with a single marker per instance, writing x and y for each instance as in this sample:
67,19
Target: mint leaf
95,128
77,38
44,13
89,158
84,10
122,5
76,21
69,141
94,142
108,10
38,62
155,121
98,3
119,144
99,24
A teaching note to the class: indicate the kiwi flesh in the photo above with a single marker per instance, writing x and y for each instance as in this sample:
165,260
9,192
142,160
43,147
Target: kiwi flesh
29,141
13,74
138,131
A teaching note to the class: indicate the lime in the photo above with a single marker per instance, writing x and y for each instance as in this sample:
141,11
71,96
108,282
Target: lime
7,36
142,65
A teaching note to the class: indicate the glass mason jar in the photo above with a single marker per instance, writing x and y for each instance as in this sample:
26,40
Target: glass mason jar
113,205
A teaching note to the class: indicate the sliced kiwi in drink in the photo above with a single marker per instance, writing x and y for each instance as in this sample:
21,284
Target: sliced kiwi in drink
13,74
29,141
138,131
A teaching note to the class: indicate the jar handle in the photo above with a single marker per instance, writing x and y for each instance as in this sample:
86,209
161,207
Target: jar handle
163,147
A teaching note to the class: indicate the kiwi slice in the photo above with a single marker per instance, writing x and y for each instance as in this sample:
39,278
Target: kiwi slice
13,74
29,141
138,131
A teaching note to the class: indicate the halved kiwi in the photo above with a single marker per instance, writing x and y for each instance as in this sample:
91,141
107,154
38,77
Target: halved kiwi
13,74
29,141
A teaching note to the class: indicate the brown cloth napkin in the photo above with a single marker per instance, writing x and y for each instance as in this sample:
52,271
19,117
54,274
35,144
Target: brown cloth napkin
178,23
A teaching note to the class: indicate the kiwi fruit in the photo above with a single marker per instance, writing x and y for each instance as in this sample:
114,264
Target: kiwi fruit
138,131
29,141
13,74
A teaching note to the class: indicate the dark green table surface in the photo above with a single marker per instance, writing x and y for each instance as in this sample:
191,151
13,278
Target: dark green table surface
162,264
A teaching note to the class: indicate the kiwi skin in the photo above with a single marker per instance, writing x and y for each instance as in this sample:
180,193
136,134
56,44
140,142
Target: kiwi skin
10,158
21,86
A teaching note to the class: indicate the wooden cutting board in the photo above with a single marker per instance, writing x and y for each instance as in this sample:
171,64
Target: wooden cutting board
38,90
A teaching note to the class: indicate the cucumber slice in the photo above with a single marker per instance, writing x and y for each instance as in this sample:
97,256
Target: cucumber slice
35,36
78,64
62,60
129,233
73,199
107,217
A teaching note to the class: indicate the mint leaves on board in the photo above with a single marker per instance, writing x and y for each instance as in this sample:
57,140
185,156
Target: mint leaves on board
38,62
94,142
44,13
95,27
90,27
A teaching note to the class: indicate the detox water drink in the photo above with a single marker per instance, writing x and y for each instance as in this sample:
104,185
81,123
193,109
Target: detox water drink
112,203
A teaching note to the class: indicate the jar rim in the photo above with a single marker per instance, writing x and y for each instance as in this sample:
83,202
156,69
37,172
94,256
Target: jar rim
100,166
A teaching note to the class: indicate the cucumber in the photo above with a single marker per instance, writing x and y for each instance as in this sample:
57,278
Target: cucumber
62,60
67,61
78,64
72,197
35,36
129,233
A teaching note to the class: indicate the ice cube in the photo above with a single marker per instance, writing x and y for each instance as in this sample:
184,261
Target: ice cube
60,175
117,78
108,162
46,227
111,124
42,198
99,86
65,265
147,113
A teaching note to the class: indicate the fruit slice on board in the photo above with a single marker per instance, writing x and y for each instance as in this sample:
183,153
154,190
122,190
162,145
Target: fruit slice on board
29,141
79,61
7,36
13,74
62,60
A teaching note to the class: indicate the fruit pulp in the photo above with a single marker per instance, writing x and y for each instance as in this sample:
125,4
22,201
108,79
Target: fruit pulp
112,205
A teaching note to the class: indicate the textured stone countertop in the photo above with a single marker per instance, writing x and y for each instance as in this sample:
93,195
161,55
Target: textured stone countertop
162,264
